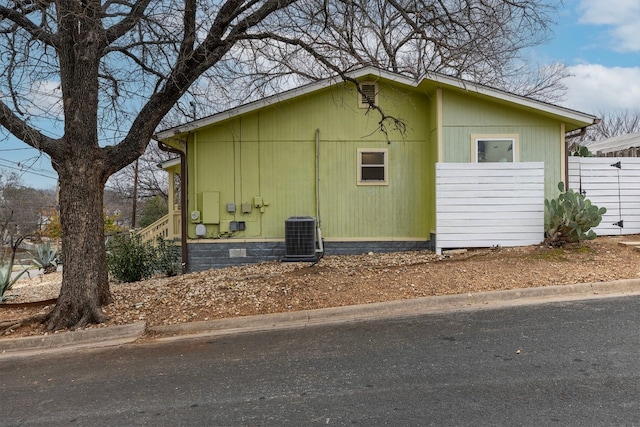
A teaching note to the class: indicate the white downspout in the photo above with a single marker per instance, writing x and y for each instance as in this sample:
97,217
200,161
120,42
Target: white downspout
320,248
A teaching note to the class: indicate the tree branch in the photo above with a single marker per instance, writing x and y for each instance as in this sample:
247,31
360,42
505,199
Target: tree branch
20,19
127,23
21,130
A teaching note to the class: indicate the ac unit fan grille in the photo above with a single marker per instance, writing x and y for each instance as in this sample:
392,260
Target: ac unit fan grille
300,237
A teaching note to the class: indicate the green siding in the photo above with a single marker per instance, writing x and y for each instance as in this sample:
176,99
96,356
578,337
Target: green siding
287,175
270,153
539,137
397,210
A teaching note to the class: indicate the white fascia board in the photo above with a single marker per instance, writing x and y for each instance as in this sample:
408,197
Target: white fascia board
467,86
243,109
284,96
169,163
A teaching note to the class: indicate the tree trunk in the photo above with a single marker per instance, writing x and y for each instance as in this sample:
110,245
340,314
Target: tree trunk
85,282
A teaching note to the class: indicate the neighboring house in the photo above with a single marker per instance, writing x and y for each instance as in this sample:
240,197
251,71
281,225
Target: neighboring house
317,151
627,145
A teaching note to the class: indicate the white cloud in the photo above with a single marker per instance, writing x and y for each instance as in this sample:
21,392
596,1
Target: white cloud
621,16
47,93
594,88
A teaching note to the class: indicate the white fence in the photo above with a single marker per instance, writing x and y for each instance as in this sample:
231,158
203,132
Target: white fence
613,183
489,204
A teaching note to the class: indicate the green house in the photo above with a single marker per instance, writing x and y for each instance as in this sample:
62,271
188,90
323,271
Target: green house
361,179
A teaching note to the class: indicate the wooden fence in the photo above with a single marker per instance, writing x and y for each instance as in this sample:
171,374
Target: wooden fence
613,183
489,204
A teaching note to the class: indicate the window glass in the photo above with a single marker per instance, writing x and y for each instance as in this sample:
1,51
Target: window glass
375,173
372,167
494,150
372,158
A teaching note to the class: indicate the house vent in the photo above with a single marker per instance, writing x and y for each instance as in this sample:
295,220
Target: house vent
368,92
300,239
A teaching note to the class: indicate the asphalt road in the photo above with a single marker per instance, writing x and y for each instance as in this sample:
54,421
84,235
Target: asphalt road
570,363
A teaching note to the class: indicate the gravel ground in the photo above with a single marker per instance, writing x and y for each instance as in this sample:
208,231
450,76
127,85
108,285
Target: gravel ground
334,281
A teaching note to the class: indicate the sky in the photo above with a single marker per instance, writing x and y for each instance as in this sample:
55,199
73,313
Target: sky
597,40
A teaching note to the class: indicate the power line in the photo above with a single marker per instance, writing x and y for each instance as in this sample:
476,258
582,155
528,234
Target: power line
29,171
24,165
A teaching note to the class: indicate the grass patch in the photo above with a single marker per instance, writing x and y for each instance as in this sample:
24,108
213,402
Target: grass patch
562,254
584,250
552,254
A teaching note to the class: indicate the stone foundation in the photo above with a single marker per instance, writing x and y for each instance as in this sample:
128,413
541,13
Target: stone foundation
204,256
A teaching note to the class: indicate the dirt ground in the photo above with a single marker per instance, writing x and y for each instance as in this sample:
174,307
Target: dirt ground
334,281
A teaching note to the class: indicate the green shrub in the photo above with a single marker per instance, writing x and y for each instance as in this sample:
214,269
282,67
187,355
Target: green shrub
167,258
581,151
128,259
570,218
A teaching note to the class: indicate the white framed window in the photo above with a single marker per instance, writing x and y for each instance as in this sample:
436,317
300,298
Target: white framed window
494,148
369,91
373,166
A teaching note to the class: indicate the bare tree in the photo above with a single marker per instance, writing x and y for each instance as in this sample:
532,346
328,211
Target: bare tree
152,181
140,181
103,74
544,83
614,124
474,40
611,124
22,207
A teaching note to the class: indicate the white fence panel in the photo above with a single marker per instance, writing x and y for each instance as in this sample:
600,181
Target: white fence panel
613,183
489,204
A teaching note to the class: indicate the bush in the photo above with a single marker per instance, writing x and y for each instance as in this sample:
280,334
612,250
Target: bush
570,218
168,258
581,151
130,260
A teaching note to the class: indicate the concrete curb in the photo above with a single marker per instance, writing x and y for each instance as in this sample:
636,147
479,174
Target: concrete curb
93,337
399,308
123,334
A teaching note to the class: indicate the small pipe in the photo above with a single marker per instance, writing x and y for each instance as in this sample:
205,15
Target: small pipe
318,175
320,248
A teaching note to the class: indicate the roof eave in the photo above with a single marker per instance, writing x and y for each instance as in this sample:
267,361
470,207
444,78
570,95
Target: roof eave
577,118
284,96
574,118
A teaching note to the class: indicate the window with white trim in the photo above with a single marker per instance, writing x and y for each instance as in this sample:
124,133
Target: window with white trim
368,91
495,149
373,166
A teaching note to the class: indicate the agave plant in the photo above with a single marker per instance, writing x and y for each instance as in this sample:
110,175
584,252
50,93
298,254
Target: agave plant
6,281
6,267
45,258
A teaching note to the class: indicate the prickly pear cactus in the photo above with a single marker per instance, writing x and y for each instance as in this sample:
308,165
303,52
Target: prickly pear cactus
570,218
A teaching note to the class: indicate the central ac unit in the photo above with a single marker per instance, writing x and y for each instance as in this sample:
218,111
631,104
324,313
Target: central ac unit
300,239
